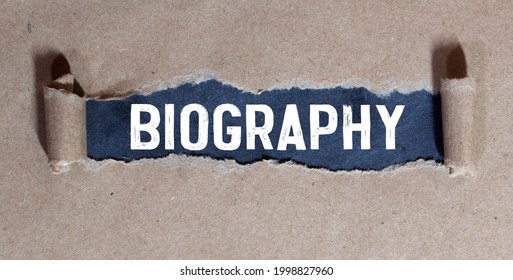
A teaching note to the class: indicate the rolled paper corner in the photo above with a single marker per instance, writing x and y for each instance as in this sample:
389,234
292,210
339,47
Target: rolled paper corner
65,125
458,122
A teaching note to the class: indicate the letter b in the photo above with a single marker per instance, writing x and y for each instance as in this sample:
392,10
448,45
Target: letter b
151,127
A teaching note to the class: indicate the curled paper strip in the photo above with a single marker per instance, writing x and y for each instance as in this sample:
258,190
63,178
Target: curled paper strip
384,130
458,124
65,114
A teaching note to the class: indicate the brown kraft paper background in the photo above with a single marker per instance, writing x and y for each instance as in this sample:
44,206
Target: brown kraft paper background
192,207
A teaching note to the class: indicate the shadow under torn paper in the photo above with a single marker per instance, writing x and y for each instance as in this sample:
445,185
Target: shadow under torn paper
418,133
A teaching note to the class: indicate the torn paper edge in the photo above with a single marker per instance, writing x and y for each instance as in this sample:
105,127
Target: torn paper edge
384,90
230,165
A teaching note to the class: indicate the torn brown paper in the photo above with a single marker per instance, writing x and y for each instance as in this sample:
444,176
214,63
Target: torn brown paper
458,124
65,125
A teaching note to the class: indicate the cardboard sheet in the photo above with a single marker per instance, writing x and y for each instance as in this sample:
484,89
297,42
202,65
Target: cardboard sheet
192,207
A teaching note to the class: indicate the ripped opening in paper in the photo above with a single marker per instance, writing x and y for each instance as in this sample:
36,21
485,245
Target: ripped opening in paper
333,128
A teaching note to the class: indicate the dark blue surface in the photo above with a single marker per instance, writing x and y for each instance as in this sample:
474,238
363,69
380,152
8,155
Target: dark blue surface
418,132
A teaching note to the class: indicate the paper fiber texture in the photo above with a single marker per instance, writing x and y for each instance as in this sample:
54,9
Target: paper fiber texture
188,207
